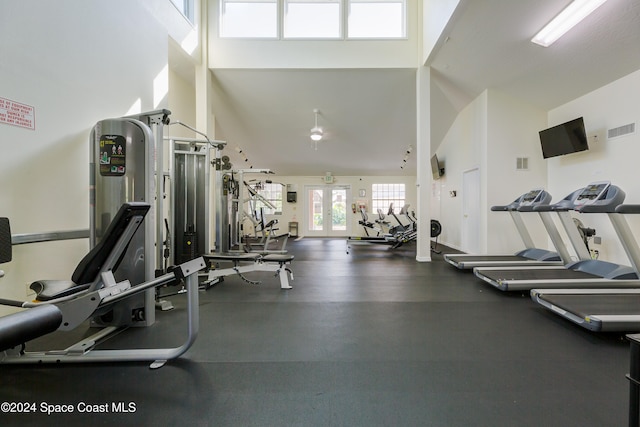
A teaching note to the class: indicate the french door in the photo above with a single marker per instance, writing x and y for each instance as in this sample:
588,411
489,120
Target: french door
326,210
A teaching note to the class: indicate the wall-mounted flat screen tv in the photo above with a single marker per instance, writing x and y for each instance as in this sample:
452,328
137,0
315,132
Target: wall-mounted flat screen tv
436,167
567,138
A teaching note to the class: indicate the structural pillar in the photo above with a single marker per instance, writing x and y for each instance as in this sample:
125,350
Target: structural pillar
423,158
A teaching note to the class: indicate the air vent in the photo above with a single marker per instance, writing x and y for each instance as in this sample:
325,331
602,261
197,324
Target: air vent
522,163
621,131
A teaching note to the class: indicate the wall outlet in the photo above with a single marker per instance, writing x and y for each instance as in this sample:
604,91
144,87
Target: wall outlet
597,240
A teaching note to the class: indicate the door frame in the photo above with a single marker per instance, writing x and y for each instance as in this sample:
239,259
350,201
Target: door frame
326,231
470,238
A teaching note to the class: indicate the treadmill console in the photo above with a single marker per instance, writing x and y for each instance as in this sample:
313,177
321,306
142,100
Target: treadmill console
531,197
591,193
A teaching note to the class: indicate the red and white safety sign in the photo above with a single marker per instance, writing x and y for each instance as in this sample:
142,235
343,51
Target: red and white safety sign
17,114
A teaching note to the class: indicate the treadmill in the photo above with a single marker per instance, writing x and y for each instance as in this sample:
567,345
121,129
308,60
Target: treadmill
601,309
528,256
598,197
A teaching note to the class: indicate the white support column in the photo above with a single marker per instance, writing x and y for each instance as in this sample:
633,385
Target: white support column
203,81
205,119
423,156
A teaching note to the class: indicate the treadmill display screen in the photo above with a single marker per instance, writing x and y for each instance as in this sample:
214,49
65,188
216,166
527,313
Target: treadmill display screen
592,192
530,197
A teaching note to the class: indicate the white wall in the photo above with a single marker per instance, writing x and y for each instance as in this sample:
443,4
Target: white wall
459,151
436,15
489,134
615,160
74,70
512,132
182,104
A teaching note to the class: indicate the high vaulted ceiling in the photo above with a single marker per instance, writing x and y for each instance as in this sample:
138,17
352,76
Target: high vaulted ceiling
368,118
370,114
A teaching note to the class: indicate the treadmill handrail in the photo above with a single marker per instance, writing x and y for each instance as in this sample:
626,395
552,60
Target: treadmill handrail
628,209
566,204
502,208
551,208
529,208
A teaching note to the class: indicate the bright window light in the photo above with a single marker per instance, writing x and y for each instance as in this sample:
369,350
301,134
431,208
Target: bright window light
312,19
136,108
382,195
272,192
161,86
250,19
186,7
376,19
190,42
566,20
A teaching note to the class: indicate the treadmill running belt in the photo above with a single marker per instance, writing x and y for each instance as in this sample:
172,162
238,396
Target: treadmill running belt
536,274
594,304
476,258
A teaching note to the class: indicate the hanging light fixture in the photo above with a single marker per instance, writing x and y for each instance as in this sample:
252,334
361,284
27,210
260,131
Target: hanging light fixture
316,131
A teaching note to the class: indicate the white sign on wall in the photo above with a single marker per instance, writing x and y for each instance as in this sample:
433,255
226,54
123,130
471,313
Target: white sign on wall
17,114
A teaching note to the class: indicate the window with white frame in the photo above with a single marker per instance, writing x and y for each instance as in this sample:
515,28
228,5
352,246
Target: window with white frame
377,19
272,193
313,19
382,195
249,18
186,7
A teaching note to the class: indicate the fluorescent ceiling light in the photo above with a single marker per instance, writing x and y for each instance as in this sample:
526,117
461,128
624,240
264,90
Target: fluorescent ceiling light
566,20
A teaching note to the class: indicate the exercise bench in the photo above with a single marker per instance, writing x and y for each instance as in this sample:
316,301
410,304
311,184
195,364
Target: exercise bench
249,262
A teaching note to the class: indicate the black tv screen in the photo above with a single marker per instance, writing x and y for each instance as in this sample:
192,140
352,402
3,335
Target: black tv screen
567,138
436,168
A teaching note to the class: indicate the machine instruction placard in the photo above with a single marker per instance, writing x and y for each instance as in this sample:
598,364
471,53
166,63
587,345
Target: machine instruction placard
112,155
17,114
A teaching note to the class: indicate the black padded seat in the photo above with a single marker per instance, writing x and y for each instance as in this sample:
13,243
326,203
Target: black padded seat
47,290
232,257
23,326
5,240
277,258
88,270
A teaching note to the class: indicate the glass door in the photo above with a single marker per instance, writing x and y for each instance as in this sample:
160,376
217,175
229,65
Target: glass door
326,210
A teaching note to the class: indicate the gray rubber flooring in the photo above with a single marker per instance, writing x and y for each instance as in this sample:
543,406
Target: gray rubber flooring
370,338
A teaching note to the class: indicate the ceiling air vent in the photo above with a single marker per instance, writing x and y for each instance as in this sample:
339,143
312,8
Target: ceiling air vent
621,131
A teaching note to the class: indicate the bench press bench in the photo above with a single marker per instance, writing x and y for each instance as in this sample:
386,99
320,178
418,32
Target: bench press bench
248,262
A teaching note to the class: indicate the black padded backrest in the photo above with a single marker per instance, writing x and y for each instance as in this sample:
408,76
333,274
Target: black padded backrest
5,241
89,267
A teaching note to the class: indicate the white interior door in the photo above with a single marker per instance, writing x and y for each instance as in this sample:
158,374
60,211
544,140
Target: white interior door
326,210
470,233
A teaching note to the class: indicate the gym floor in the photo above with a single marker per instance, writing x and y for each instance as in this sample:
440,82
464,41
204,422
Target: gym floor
370,338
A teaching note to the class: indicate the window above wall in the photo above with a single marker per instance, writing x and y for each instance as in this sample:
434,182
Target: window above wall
186,7
379,19
313,19
319,19
249,18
